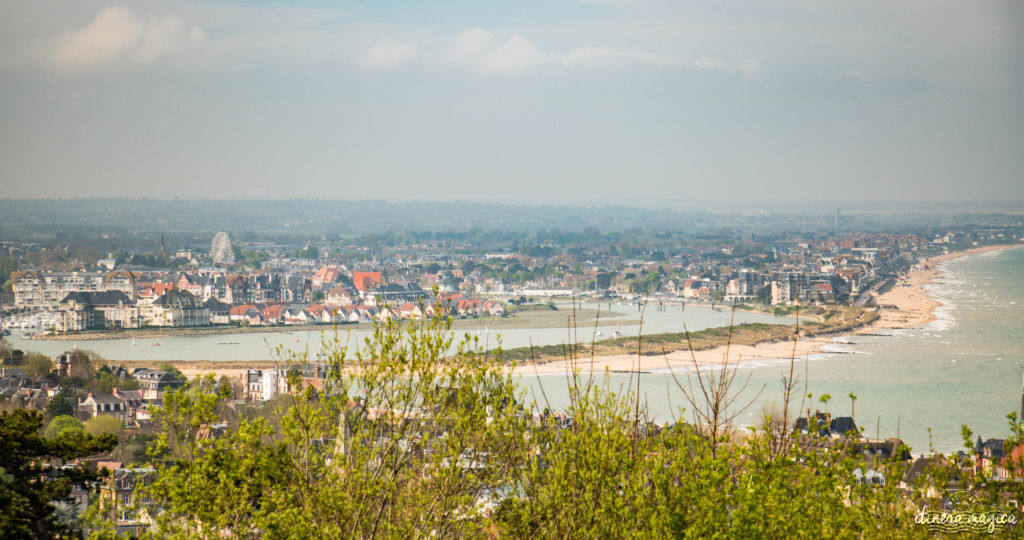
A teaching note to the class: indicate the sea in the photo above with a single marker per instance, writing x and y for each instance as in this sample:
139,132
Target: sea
966,368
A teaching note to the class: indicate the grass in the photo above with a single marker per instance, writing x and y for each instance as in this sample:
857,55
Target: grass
837,320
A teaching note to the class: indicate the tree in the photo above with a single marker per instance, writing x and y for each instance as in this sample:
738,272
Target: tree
62,424
413,435
103,424
402,439
764,295
60,405
27,504
169,368
825,398
38,365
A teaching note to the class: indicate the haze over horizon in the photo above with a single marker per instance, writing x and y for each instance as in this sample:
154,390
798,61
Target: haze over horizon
632,102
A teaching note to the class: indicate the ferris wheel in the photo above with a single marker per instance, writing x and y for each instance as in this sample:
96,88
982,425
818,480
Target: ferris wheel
220,249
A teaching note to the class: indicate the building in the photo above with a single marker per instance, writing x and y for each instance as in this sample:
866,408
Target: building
154,382
178,309
97,310
73,364
44,290
103,404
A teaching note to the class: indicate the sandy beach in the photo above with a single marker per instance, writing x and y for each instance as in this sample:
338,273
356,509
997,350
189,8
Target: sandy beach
907,303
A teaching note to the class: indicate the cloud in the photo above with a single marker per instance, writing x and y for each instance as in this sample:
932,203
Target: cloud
469,46
387,55
475,48
585,55
118,35
514,55
745,67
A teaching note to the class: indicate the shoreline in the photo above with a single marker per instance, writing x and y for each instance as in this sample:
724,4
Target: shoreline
908,304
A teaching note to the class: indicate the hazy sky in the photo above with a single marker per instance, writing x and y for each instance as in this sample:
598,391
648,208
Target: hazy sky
608,101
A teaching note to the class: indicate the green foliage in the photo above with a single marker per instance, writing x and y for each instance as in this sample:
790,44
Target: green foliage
37,365
104,382
60,405
415,436
62,424
103,424
7,267
308,252
27,504
401,440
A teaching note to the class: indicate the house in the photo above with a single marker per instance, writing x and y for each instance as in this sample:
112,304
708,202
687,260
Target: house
73,364
410,310
238,313
273,314
133,401
319,314
296,315
220,313
366,281
262,288
494,309
97,310
339,296
827,426
154,382
178,309
325,276
36,289
118,497
105,404
149,292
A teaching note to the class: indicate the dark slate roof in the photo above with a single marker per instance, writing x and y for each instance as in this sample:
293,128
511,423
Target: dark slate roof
177,299
98,298
991,448
216,306
842,425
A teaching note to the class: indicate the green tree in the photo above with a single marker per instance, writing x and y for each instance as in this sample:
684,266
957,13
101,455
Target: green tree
169,368
60,424
60,405
27,504
103,424
413,435
764,295
403,439
38,365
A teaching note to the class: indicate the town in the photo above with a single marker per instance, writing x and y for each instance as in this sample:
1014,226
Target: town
59,287
65,288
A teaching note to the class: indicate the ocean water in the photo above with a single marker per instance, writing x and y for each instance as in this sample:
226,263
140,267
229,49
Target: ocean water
964,368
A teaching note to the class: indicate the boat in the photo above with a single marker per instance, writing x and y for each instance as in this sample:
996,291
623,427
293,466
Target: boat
133,342
155,344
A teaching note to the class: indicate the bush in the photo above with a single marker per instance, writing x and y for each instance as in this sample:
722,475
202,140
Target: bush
103,424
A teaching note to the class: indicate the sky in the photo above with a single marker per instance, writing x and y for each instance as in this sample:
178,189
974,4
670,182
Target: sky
650,103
